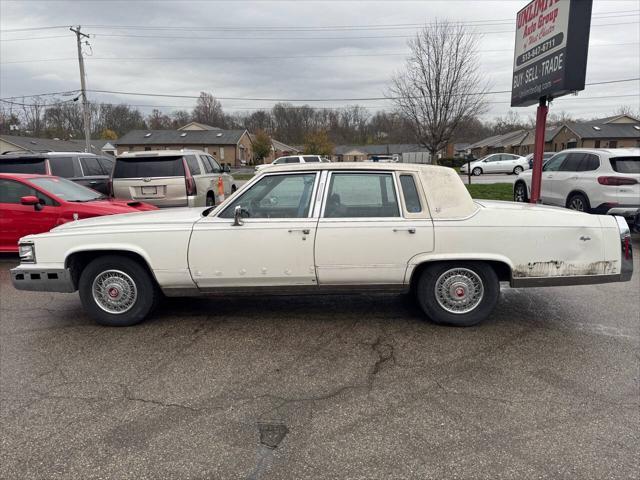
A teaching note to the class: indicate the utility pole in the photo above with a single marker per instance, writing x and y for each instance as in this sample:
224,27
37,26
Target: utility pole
83,87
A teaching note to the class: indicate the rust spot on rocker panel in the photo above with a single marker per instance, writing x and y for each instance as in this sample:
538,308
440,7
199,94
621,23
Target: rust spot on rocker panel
558,268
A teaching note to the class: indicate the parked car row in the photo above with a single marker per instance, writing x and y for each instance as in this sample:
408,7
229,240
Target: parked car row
603,181
165,178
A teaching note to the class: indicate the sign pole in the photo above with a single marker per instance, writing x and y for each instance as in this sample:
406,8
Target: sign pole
538,149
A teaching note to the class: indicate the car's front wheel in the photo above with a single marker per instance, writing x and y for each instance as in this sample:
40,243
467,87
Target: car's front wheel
459,294
477,171
117,291
520,193
518,170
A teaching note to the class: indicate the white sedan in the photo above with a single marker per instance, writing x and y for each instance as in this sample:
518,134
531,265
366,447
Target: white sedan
329,228
497,163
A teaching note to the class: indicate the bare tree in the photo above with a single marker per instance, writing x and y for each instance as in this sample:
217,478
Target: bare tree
441,84
208,110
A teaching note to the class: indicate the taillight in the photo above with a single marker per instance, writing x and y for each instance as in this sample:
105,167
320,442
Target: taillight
627,246
189,182
616,181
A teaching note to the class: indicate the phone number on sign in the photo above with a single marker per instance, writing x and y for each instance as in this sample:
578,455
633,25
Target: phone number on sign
538,50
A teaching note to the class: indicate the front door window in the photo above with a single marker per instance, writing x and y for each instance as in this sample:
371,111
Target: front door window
276,196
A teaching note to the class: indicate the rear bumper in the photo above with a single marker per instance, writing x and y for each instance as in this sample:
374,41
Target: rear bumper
42,280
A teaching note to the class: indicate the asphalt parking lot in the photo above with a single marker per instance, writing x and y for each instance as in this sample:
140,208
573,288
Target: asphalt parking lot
323,387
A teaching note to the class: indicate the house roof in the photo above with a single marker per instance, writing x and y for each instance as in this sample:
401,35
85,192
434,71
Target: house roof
181,137
504,140
36,144
383,149
605,130
613,118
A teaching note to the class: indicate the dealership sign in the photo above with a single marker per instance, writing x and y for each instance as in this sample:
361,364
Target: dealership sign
552,41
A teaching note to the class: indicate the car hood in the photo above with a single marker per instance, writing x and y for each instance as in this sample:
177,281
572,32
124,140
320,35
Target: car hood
109,207
153,217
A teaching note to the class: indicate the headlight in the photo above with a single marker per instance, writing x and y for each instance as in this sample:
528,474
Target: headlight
27,253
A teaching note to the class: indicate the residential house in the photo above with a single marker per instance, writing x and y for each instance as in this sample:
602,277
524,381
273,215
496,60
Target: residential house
610,132
228,146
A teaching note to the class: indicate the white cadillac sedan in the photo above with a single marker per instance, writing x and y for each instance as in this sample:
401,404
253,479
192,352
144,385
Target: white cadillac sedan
497,163
329,227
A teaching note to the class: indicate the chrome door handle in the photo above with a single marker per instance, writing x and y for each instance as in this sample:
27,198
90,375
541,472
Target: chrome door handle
410,230
306,231
93,182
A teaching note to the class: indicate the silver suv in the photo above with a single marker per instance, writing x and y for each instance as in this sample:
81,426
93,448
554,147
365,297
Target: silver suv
170,178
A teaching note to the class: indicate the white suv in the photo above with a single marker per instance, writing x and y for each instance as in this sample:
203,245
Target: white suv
589,180
293,159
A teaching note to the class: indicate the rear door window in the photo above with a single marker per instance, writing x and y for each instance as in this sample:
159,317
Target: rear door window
23,166
360,195
311,158
90,166
572,163
62,166
148,167
589,162
626,164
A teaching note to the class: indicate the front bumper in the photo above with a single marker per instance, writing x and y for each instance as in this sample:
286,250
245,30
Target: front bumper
42,280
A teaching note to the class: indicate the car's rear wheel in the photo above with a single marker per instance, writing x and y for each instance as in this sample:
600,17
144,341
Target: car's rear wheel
520,193
117,291
459,294
518,170
477,171
579,202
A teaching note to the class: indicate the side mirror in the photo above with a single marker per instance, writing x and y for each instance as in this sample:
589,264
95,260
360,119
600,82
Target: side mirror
30,200
237,216
226,168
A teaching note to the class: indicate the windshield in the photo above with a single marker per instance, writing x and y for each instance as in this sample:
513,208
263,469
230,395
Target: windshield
23,166
66,189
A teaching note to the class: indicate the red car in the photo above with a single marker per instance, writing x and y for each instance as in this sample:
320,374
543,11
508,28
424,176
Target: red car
37,203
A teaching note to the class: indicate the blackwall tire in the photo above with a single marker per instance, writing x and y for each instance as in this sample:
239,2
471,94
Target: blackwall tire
117,291
517,170
520,193
460,294
476,172
578,202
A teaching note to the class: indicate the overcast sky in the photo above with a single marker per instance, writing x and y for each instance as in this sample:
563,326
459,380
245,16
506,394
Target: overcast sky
341,49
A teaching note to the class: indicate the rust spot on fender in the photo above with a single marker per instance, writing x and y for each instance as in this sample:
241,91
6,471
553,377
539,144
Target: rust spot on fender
559,268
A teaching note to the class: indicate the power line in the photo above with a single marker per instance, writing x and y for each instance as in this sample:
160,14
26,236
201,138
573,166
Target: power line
351,37
610,14
361,99
323,107
259,57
